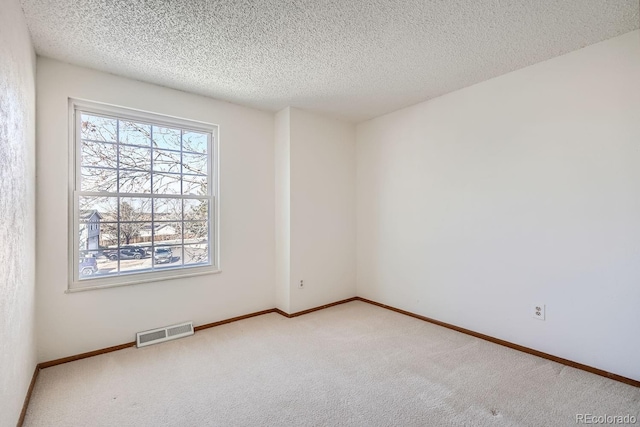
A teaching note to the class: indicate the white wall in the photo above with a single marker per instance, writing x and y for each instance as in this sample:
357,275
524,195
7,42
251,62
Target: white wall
523,189
78,322
323,246
283,209
17,211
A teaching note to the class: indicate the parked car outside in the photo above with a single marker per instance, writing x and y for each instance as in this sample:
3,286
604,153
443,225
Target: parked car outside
139,249
123,254
88,266
162,255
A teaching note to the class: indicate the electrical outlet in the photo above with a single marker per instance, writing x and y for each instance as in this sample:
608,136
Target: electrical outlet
301,284
538,311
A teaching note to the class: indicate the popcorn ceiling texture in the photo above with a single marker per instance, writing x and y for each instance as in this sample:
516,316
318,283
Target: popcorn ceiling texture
17,211
353,59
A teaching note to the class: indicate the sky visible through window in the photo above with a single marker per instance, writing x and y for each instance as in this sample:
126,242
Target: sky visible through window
143,197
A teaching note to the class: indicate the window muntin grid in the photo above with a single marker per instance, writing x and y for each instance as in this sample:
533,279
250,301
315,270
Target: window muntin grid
151,185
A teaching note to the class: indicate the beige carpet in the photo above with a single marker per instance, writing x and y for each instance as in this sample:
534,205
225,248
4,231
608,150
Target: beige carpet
353,364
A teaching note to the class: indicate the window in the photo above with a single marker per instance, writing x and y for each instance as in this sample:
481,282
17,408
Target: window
144,197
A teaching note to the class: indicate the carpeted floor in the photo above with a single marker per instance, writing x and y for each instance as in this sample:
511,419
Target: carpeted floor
353,365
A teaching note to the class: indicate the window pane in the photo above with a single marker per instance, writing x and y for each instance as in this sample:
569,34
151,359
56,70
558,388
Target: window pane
167,233
196,231
97,209
194,163
194,142
108,266
166,161
196,209
92,240
167,209
196,254
135,182
146,237
97,237
167,256
88,236
195,185
136,265
135,158
88,264
108,235
102,154
94,179
166,183
135,209
166,138
134,252
135,133
130,233
98,128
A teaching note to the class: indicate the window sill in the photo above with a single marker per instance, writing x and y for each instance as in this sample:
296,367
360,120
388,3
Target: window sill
132,280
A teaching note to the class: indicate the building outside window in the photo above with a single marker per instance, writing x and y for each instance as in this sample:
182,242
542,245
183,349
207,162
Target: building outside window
144,196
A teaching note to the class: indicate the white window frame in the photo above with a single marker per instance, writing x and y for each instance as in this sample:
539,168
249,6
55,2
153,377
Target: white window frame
76,107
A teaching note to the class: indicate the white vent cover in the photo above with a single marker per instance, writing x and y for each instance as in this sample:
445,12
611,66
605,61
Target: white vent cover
155,336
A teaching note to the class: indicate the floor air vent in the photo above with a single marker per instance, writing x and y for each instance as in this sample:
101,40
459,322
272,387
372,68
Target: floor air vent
159,335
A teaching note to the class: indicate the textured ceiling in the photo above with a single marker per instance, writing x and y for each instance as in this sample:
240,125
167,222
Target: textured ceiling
353,59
